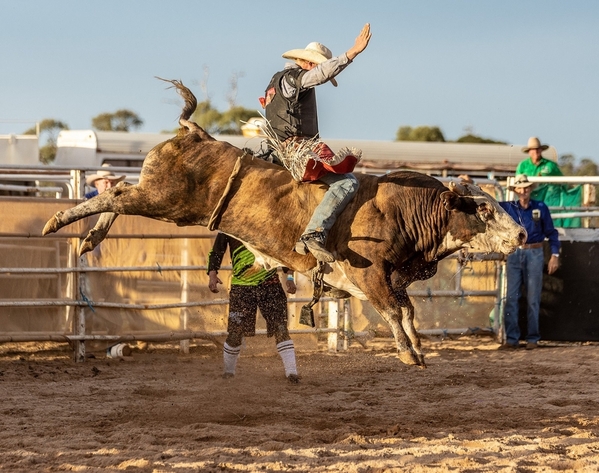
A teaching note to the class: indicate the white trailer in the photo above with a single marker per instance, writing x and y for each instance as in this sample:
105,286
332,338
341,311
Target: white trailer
19,150
88,148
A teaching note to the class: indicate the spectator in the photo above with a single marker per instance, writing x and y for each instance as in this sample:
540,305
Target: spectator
102,180
537,165
525,265
290,105
252,288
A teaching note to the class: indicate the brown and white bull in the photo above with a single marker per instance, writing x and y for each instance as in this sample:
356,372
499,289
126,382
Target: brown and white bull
395,230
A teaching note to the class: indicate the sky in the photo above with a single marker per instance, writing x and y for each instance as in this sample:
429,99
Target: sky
501,69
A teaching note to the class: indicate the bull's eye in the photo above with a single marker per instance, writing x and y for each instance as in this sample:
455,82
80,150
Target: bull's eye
485,212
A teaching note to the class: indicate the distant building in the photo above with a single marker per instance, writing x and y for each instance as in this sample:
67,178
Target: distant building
88,148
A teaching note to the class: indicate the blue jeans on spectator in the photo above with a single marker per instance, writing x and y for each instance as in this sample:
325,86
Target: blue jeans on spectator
523,266
342,188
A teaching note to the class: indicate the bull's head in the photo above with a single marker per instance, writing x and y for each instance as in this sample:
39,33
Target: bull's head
480,223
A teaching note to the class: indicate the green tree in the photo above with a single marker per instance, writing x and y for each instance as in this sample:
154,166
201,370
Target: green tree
48,130
420,133
216,122
587,167
471,138
566,164
232,119
121,120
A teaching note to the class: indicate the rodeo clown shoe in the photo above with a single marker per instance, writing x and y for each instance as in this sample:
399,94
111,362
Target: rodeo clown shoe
291,112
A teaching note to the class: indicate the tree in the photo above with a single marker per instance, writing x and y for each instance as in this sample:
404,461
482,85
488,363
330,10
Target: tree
420,133
434,133
566,164
587,167
232,119
216,122
121,120
470,138
50,129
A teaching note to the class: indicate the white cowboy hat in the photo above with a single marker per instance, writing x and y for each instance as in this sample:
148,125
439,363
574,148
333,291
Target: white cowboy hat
102,174
314,52
534,143
521,180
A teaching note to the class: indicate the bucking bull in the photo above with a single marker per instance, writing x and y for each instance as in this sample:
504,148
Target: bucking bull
394,231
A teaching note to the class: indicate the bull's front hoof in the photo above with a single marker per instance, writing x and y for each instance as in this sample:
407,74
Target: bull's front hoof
411,358
52,225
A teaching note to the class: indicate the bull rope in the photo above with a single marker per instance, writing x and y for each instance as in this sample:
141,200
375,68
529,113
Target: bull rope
216,212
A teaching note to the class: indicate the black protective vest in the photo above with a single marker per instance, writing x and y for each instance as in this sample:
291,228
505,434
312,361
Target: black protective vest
295,116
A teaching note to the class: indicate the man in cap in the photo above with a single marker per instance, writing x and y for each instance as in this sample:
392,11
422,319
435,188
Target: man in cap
537,165
102,180
290,105
525,265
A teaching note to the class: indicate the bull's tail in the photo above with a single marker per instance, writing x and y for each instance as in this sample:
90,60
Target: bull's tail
190,106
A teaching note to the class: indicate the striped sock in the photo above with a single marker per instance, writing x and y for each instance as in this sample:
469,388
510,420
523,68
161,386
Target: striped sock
230,355
286,350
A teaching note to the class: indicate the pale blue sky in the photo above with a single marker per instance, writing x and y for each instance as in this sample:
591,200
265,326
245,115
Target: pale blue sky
509,69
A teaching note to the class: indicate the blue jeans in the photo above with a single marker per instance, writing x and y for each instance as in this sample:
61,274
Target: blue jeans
523,266
342,188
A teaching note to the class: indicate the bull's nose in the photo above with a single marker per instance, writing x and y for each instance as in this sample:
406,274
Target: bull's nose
522,236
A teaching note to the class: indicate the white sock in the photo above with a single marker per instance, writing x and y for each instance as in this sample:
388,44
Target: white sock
286,350
230,355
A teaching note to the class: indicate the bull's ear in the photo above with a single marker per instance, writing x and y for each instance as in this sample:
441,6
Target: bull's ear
450,200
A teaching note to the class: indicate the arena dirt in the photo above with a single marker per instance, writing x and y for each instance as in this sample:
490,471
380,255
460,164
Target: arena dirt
475,409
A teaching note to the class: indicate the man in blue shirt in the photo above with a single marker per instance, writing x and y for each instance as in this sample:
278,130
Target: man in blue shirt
525,265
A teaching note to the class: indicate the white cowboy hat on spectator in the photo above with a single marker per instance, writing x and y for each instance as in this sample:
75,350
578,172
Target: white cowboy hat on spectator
521,180
314,52
103,174
534,143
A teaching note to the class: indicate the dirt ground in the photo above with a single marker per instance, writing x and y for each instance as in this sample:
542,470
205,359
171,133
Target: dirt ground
475,409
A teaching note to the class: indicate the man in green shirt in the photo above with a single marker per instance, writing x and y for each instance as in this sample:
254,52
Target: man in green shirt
252,287
537,165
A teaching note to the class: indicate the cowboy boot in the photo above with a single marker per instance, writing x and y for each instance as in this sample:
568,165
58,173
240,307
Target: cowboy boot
314,243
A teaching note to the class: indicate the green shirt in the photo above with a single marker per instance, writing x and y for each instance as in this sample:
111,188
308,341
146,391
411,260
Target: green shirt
245,272
543,192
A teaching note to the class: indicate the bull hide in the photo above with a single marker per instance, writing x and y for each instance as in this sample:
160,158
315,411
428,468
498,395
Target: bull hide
393,232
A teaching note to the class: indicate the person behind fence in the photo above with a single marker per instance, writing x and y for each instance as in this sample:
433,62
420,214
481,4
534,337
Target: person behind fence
525,265
101,181
537,165
291,113
252,287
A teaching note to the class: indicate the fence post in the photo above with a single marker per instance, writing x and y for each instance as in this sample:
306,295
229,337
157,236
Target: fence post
184,312
333,337
81,278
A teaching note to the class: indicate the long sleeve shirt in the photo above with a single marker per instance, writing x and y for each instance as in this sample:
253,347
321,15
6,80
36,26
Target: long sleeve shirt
537,221
320,74
245,271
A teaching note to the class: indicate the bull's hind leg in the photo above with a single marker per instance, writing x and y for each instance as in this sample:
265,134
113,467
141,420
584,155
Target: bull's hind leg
120,200
97,234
